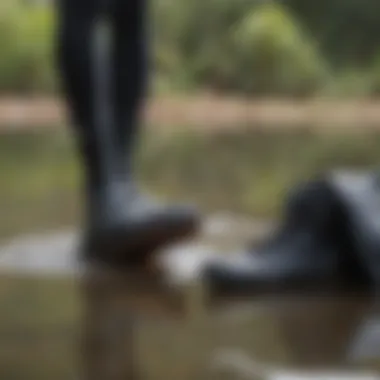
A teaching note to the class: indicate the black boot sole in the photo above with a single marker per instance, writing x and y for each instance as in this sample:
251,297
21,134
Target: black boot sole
134,246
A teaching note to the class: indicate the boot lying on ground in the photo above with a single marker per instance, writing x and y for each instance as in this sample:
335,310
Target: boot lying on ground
329,240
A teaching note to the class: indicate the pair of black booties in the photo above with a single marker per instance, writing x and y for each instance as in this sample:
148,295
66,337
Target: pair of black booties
328,241
330,230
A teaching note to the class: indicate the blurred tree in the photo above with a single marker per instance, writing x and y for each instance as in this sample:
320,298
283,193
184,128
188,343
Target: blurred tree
243,46
254,47
348,30
26,49
275,55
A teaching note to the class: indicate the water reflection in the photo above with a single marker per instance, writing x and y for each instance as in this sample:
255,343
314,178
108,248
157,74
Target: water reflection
40,322
319,331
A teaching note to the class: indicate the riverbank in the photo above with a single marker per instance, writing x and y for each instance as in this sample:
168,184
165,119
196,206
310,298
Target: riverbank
210,113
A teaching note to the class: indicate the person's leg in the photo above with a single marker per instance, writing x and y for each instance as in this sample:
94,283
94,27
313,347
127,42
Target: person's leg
138,223
130,76
75,54
118,224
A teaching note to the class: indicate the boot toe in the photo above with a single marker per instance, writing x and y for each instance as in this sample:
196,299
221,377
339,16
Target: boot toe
180,214
170,218
255,273
234,273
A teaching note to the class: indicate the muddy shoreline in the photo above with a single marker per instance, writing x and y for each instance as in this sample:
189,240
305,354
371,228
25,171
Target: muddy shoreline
211,113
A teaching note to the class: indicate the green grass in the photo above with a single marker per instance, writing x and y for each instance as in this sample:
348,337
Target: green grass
246,172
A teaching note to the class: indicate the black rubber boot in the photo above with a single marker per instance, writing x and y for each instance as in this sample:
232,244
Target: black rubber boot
312,252
122,227
132,229
140,223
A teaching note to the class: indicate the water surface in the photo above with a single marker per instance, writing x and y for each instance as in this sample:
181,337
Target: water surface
242,173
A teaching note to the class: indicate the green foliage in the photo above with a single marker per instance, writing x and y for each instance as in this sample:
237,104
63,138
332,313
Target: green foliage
191,36
351,83
252,47
26,49
237,46
274,54
348,30
375,76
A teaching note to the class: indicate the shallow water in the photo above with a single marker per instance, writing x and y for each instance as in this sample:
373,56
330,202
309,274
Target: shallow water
39,300
40,319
